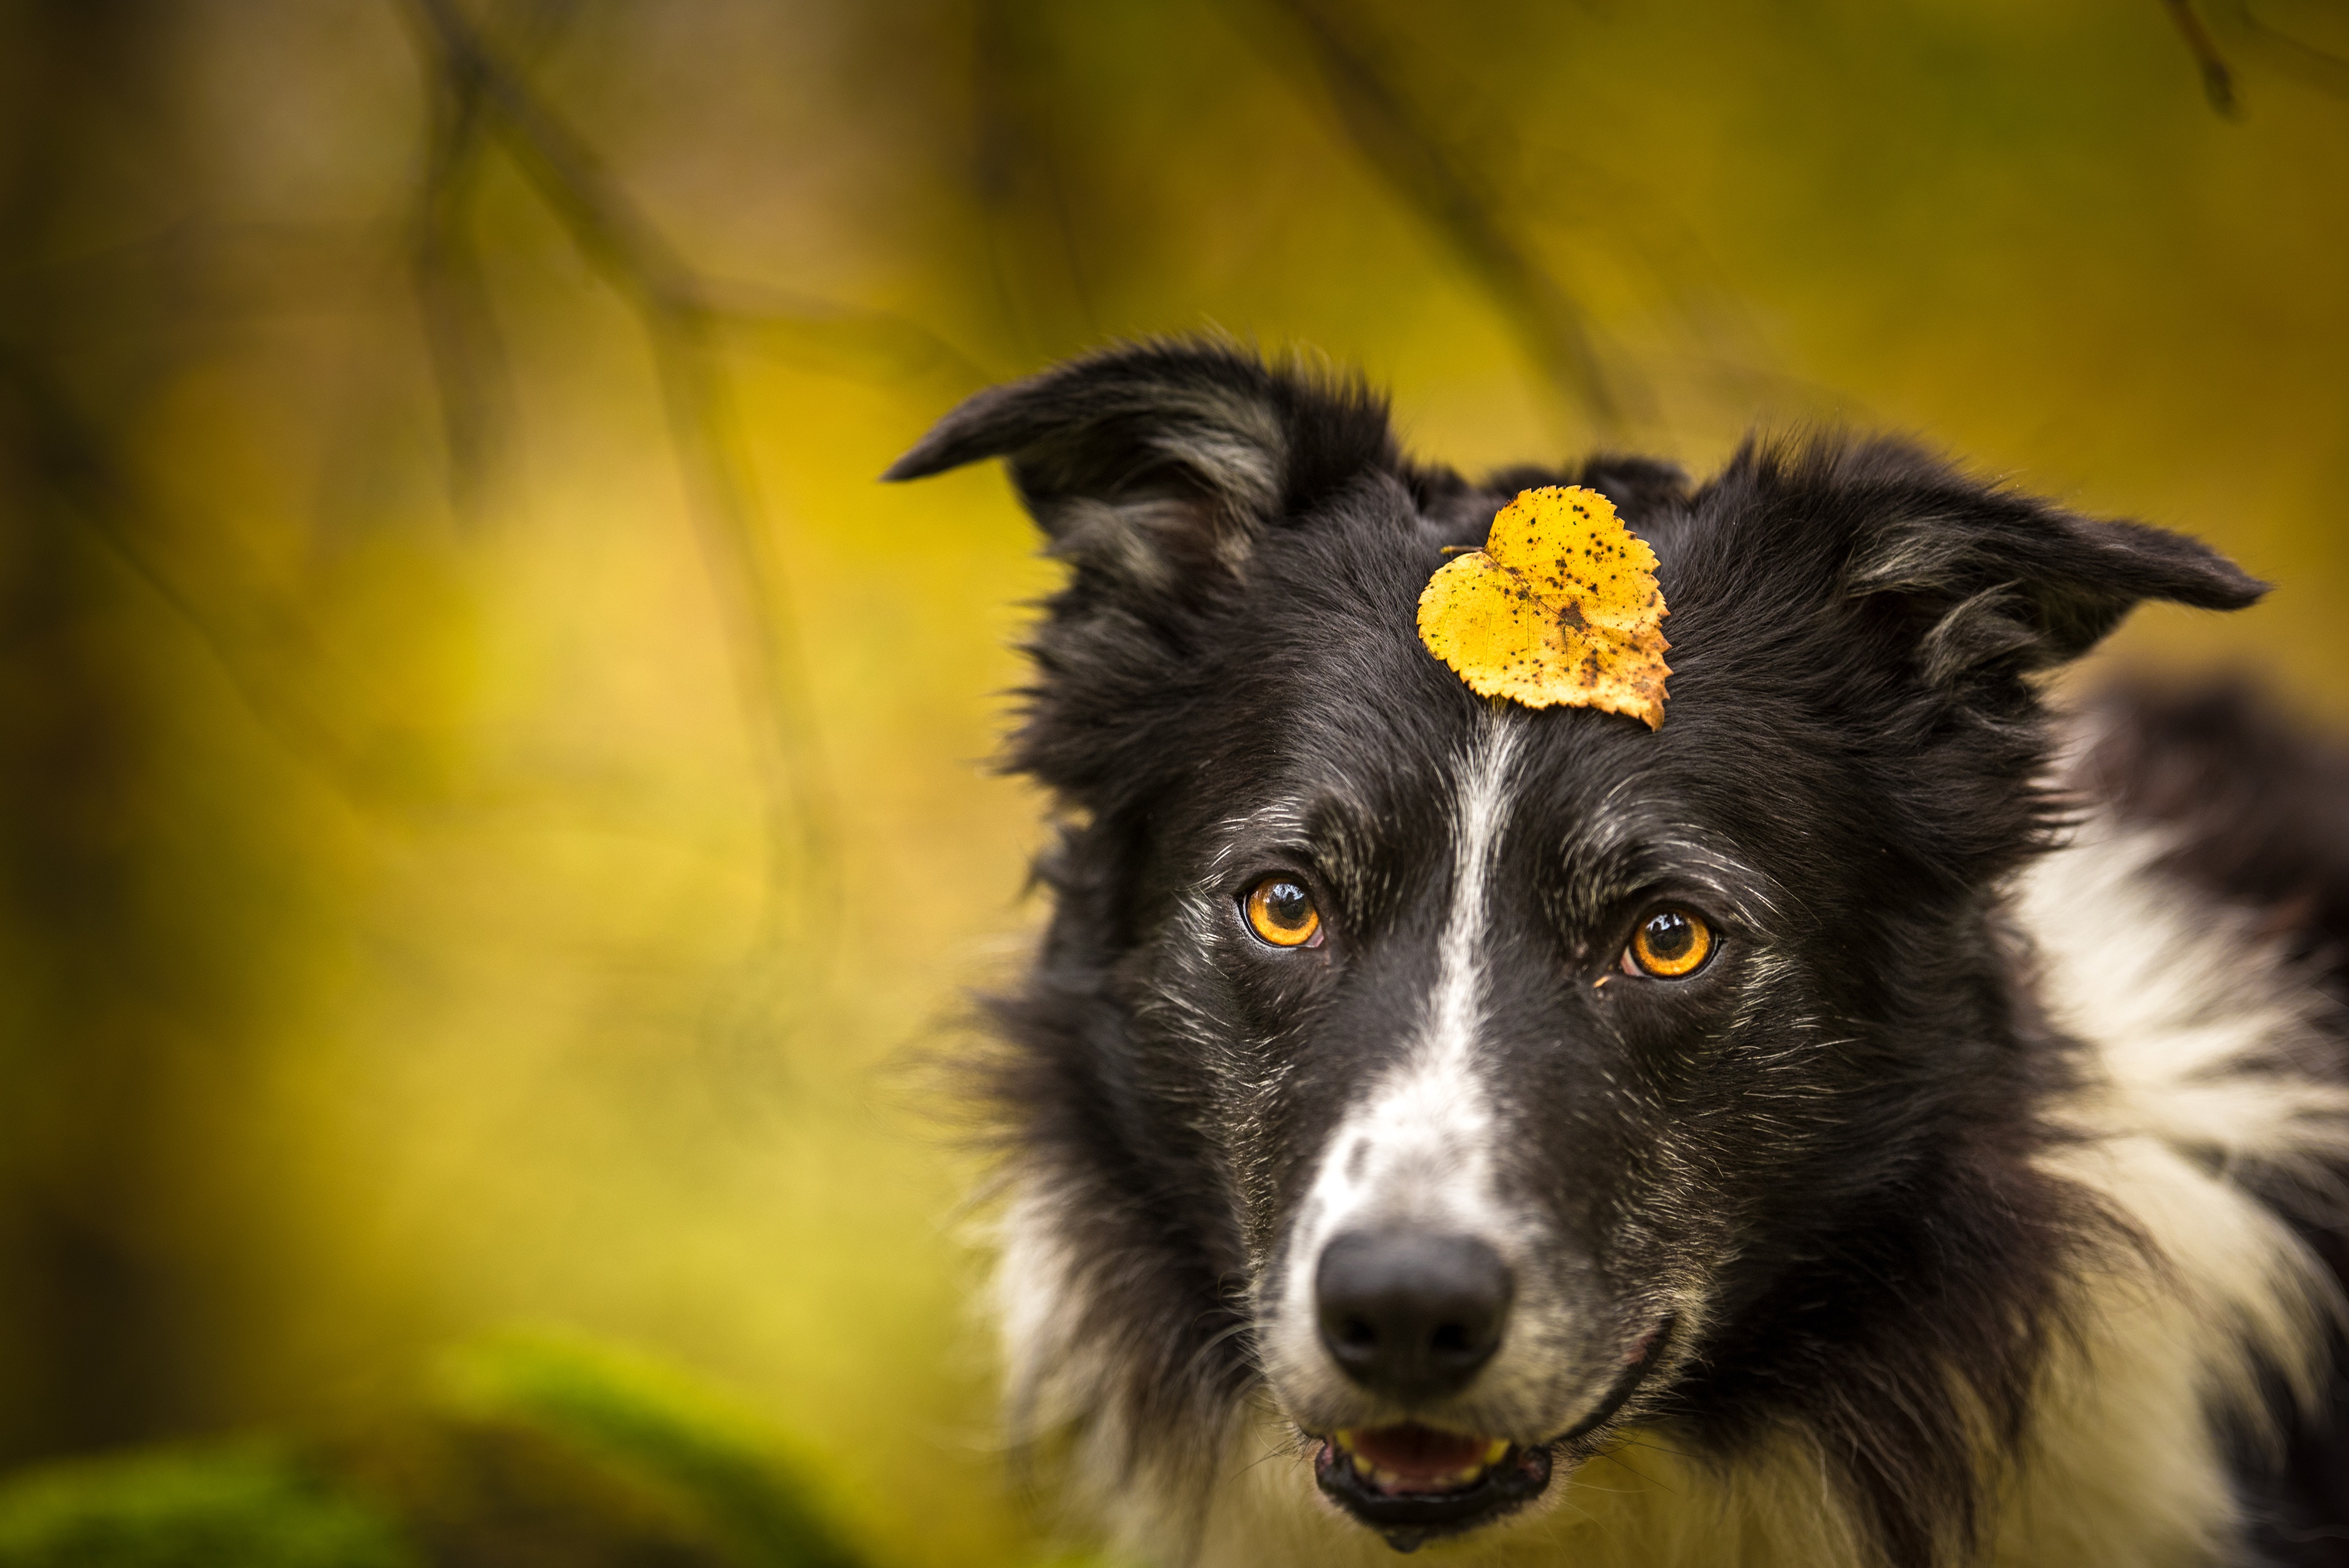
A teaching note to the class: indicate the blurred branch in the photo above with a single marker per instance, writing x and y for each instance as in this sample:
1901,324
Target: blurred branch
1016,171
460,327
270,652
1412,155
2218,85
817,335
682,320
2313,67
2306,63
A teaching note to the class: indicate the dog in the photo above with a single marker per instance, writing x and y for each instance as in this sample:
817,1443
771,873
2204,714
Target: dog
1870,1119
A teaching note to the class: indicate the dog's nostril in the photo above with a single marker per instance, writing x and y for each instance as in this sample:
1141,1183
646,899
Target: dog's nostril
1412,1314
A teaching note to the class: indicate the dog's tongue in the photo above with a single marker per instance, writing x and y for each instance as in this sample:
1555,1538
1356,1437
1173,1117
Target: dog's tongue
1420,1458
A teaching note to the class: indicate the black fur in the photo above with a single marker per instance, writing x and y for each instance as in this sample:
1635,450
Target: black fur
1839,1141
2261,807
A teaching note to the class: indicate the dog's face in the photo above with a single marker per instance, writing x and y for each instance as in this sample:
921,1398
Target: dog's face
1509,1075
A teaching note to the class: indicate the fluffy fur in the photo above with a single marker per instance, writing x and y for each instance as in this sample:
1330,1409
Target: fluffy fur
1960,1209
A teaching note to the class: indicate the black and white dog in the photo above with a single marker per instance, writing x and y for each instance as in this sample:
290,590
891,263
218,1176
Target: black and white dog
1863,1121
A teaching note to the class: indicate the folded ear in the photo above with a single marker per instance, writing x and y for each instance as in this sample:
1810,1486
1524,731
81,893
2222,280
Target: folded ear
1980,582
1161,464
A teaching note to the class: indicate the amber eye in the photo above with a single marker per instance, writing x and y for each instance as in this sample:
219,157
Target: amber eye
1281,911
1668,944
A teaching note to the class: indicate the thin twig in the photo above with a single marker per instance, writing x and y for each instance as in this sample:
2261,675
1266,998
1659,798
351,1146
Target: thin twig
1397,142
2218,84
2325,71
1015,169
271,653
834,339
461,328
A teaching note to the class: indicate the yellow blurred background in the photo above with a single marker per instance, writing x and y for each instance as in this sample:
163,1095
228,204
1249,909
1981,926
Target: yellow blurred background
497,809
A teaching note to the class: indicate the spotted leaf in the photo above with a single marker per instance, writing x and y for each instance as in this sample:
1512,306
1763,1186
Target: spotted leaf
1559,608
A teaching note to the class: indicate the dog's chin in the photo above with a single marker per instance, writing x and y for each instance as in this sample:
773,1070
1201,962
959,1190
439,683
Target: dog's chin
1412,1484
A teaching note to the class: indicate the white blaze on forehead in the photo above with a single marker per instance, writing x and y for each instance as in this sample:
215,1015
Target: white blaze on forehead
1418,1147
1457,1008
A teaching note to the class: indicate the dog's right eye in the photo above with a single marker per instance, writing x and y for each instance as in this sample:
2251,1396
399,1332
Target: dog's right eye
1280,912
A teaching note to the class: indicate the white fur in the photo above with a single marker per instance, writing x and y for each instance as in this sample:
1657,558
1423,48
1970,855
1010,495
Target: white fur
2195,1024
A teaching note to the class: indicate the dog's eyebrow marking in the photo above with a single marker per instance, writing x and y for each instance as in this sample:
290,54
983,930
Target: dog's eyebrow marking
1274,822
1617,850
1332,831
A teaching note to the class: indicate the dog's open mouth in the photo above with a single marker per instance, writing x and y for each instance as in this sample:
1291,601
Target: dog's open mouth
1413,1483
1410,1483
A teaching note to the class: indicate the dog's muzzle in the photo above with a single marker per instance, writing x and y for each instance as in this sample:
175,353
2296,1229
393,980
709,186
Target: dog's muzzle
1411,1316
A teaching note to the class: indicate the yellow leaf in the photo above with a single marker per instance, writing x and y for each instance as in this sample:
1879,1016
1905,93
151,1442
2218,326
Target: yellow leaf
1560,607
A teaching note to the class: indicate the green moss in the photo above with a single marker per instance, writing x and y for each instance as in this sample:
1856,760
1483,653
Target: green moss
245,1506
533,1451
656,1433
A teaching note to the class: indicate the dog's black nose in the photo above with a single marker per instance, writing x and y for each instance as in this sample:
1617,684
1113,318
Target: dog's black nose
1412,1314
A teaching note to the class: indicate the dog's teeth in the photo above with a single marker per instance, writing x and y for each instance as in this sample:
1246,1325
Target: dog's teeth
1347,1440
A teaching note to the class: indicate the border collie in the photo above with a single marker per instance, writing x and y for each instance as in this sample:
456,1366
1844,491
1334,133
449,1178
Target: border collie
1865,1121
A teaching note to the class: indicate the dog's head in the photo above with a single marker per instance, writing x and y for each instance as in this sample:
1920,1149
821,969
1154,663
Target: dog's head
1483,1079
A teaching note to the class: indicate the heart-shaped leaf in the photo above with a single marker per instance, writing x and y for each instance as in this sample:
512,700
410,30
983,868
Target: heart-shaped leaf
1560,607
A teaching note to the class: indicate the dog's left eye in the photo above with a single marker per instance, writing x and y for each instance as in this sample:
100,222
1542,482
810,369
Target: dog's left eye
1281,911
1668,944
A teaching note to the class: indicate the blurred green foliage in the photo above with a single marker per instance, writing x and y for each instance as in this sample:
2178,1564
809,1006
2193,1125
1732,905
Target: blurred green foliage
531,1449
492,797
634,1419
254,1507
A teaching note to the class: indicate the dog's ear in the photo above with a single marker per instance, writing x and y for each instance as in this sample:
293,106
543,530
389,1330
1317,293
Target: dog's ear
1980,585
1159,466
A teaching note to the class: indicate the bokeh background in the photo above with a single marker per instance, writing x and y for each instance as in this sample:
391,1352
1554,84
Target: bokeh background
495,809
